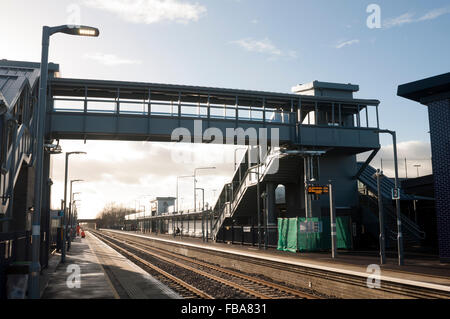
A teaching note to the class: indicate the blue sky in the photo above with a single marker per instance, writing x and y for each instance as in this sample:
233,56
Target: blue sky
247,44
206,50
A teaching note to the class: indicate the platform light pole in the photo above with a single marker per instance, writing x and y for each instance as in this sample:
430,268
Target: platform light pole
332,221
47,32
417,166
145,223
70,209
66,175
397,200
235,160
74,217
203,211
195,183
379,175
178,180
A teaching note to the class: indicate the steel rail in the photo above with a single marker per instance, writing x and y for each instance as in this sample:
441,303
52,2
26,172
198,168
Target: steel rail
200,272
236,274
252,280
178,281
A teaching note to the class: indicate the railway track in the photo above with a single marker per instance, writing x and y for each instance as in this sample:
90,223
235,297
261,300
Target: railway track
326,283
198,276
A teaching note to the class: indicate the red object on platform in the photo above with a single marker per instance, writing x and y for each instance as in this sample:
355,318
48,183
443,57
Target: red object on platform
83,234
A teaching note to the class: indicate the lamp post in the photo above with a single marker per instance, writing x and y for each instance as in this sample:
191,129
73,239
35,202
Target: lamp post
75,207
47,32
379,175
178,179
145,223
195,183
203,211
63,249
73,201
140,211
70,209
235,162
75,213
417,166
397,200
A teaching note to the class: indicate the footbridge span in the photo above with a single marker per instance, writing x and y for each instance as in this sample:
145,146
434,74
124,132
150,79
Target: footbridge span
320,116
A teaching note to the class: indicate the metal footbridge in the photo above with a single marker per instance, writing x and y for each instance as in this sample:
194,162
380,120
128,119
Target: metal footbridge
131,111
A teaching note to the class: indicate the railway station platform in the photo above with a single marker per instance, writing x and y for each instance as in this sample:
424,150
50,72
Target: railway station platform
418,271
103,274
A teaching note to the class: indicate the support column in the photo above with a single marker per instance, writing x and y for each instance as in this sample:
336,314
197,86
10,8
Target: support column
295,200
270,204
45,211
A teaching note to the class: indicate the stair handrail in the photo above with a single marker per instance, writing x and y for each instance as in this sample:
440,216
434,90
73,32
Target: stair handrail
245,182
19,151
413,227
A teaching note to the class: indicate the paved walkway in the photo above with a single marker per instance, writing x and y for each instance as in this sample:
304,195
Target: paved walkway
104,274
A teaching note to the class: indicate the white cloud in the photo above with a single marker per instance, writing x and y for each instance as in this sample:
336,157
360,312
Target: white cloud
415,153
433,14
121,172
340,45
109,59
397,21
150,11
409,17
264,46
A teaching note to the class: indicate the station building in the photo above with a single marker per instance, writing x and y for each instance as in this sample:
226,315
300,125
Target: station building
434,92
313,137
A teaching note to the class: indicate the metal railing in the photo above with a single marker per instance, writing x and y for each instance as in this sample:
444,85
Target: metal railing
172,109
19,151
411,227
250,179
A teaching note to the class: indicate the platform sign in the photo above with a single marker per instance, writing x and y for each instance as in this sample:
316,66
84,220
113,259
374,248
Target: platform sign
318,190
247,229
395,193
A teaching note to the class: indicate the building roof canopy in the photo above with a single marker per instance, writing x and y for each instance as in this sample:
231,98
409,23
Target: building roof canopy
423,90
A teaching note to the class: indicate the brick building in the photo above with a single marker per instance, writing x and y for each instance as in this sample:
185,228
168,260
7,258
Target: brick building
435,93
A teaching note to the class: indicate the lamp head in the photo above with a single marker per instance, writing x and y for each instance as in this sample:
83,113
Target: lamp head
80,30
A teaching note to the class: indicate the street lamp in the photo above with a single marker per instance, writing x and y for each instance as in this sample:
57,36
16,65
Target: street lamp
417,166
397,200
203,211
378,176
178,179
145,226
70,208
74,217
63,249
40,132
195,182
235,162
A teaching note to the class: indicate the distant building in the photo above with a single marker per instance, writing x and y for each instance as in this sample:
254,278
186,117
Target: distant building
162,205
435,93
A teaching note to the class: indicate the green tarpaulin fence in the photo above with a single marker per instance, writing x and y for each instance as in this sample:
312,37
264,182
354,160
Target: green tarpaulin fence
299,234
282,233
